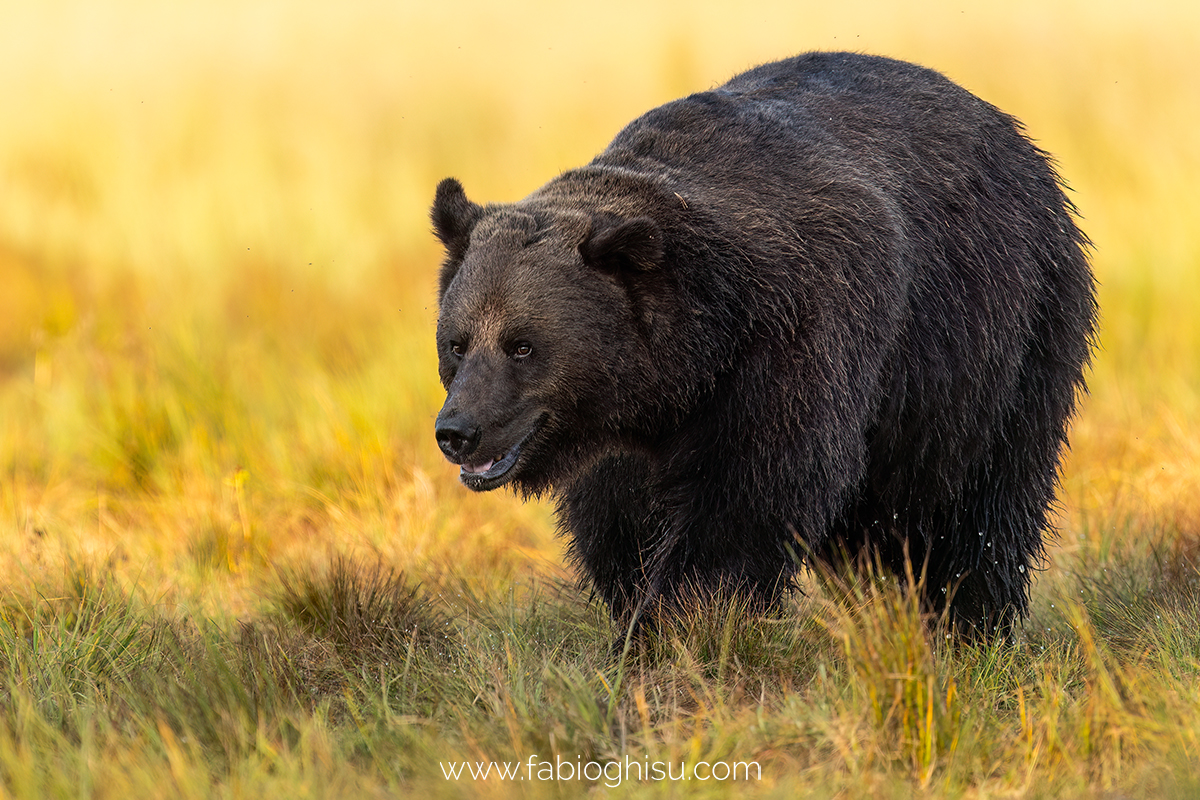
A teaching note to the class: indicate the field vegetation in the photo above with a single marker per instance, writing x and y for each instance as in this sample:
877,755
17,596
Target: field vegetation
233,562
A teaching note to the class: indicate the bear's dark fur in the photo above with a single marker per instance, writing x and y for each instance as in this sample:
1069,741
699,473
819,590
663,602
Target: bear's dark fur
837,304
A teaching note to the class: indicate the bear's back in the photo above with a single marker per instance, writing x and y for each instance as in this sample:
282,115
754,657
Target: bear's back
867,119
817,75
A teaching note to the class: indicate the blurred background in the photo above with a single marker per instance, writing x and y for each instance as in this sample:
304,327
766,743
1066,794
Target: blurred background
216,271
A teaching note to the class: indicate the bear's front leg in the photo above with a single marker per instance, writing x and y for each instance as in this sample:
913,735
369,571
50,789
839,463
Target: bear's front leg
608,517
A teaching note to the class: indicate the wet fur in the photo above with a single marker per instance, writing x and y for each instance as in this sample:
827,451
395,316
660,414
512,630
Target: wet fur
838,304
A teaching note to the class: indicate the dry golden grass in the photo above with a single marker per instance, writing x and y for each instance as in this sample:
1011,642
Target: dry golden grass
216,280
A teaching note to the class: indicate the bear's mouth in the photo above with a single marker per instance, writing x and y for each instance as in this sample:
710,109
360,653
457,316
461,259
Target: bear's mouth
486,475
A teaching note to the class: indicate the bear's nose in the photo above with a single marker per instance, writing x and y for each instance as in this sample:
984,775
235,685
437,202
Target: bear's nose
457,437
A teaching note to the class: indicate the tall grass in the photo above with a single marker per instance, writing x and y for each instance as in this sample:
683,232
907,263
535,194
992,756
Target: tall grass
233,562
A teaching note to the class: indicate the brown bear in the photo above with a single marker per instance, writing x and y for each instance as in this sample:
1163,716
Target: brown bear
837,305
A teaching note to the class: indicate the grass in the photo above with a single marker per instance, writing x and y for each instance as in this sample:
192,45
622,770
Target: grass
352,681
233,563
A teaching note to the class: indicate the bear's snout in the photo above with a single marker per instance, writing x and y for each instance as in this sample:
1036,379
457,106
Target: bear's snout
457,436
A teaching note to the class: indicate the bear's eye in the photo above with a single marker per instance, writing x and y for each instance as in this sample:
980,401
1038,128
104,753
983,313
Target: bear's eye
522,350
458,349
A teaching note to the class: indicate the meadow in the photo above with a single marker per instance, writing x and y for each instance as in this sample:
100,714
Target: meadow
233,562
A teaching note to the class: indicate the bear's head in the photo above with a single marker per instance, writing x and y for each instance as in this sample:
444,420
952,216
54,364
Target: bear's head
544,336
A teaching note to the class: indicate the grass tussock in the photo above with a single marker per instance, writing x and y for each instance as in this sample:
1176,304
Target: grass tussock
233,563
365,612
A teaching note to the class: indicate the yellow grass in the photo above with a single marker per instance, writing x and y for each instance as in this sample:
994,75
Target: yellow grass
216,273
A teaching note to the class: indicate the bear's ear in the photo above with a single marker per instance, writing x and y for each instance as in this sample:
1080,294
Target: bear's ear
624,244
454,216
